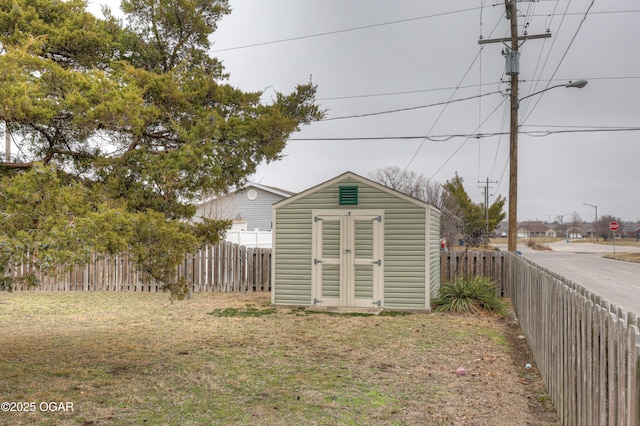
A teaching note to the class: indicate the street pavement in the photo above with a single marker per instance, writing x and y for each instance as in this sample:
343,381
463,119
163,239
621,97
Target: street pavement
583,263
580,247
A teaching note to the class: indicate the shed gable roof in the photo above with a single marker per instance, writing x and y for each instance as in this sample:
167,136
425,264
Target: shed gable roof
352,176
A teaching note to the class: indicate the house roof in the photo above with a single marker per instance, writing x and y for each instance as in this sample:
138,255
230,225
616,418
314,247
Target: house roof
358,178
272,189
534,226
631,227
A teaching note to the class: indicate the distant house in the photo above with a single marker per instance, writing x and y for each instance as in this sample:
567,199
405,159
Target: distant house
630,230
536,229
552,231
575,232
249,207
589,230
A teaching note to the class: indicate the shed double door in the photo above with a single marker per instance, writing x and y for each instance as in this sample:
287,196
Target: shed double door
347,258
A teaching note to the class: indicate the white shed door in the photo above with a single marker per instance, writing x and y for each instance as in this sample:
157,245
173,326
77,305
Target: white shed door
347,258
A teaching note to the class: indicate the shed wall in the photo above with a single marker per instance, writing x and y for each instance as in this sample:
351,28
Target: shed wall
405,245
433,241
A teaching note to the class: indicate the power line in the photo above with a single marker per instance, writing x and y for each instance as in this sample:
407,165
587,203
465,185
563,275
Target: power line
480,122
444,138
388,23
471,86
564,55
603,12
542,133
409,108
407,92
524,107
415,154
463,143
401,21
464,76
505,118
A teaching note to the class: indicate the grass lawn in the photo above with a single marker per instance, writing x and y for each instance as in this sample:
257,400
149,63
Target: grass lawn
136,358
629,257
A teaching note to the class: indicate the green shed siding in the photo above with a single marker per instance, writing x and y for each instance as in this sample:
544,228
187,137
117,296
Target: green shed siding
404,254
411,241
434,251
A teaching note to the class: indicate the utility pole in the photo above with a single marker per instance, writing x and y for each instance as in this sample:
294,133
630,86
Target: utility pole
512,241
486,201
513,64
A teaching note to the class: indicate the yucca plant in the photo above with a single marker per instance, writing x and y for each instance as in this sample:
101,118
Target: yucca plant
469,294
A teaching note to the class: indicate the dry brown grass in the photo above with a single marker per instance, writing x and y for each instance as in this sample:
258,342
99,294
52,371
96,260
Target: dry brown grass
628,242
132,358
628,257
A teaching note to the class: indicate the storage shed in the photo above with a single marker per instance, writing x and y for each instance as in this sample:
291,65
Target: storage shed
351,242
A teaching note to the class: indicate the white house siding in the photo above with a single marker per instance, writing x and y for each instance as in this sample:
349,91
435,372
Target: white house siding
257,212
405,245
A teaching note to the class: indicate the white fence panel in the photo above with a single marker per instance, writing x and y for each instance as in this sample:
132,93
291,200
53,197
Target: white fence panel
261,239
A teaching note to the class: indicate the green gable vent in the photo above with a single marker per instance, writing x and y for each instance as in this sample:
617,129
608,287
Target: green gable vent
348,196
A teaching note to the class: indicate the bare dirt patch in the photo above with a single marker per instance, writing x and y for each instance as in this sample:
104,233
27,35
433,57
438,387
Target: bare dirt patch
131,358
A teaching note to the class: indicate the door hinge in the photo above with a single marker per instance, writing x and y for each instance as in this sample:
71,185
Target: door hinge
316,261
377,262
377,302
378,218
317,218
316,301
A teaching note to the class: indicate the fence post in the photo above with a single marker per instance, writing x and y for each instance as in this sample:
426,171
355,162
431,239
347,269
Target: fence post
633,376
224,267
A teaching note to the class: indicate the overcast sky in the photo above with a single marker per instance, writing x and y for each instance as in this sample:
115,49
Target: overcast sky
376,56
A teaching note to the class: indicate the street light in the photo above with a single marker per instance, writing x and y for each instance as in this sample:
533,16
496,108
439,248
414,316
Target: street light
562,227
578,84
512,241
595,207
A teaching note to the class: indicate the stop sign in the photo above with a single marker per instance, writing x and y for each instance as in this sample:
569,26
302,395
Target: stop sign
613,226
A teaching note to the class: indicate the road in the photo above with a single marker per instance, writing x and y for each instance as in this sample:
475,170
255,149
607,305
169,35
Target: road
614,280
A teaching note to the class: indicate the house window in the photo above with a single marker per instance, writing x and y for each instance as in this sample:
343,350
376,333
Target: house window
348,196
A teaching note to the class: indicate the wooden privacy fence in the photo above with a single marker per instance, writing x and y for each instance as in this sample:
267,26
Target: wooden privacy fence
472,263
587,349
224,267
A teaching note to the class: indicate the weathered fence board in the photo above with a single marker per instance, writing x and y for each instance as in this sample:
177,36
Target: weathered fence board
471,263
586,349
218,268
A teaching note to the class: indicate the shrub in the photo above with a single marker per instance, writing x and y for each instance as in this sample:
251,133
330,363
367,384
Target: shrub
469,295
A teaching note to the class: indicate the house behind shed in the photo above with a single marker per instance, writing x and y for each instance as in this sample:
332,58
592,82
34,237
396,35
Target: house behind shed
249,206
351,242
